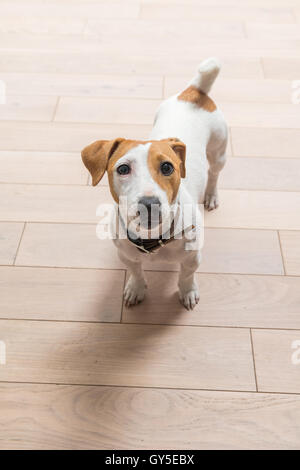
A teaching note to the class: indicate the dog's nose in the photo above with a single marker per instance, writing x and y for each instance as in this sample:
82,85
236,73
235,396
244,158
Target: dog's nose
148,202
149,210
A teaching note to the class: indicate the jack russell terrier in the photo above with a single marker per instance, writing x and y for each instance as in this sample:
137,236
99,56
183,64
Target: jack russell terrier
178,166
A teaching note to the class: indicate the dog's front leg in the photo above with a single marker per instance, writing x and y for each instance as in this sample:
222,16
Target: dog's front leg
188,288
135,288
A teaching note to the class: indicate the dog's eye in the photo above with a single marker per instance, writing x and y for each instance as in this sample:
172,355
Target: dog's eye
166,168
123,170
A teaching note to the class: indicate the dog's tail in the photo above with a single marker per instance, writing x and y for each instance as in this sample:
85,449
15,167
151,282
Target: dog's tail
208,71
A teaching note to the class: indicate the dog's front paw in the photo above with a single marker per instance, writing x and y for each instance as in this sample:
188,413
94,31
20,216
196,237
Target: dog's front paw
190,299
134,291
211,201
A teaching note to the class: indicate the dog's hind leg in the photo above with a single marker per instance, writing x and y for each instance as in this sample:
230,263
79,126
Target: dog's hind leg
207,72
216,156
135,288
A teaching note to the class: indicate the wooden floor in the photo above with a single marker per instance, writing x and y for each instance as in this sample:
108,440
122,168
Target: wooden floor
82,371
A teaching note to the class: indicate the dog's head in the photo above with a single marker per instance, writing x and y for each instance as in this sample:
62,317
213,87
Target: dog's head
145,174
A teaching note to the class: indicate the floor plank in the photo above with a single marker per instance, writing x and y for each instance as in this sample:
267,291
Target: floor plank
257,209
281,31
66,137
42,41
106,110
241,251
262,114
76,294
40,23
107,86
124,418
55,203
225,250
42,168
237,3
281,68
132,355
258,142
142,111
277,360
297,13
66,245
28,108
290,242
225,300
233,251
238,90
118,61
10,235
63,137
93,43
199,12
60,9
264,174
145,30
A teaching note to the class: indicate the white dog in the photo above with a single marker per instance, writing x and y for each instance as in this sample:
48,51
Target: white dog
179,165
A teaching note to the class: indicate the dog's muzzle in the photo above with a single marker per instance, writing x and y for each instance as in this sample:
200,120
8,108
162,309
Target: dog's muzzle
149,210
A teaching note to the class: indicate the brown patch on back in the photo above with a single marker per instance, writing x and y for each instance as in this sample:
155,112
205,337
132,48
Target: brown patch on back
198,98
160,152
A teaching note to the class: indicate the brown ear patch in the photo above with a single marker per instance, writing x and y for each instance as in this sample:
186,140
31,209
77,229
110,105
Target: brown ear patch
198,98
93,157
96,155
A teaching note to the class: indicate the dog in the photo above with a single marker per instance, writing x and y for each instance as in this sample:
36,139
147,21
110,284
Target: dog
179,165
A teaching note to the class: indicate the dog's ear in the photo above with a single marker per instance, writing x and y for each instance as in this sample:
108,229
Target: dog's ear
96,155
180,149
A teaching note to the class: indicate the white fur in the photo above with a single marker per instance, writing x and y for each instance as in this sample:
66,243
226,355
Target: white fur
205,136
208,71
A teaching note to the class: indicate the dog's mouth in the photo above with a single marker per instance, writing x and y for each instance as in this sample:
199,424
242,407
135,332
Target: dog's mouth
149,222
148,229
149,212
